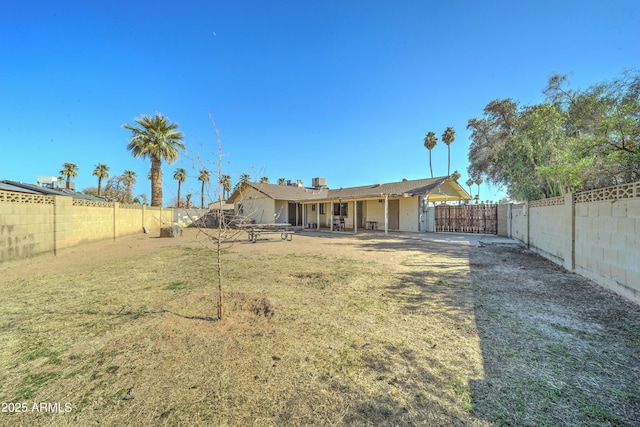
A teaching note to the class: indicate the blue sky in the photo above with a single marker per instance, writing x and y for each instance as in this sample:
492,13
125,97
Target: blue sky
344,90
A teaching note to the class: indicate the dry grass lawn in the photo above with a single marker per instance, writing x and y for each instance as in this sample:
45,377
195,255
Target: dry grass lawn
323,330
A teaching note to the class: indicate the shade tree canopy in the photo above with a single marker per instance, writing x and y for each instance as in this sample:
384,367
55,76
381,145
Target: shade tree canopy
574,140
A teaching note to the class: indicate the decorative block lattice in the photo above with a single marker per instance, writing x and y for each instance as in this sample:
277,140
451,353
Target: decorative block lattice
11,197
553,201
617,192
130,206
95,204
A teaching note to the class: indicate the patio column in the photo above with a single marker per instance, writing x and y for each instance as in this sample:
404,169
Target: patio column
355,216
318,216
386,214
331,216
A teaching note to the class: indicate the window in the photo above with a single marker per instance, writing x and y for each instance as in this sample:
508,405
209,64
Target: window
340,209
313,208
240,209
321,208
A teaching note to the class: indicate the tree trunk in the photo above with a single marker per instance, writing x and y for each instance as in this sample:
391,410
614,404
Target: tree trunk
202,196
156,182
178,201
430,166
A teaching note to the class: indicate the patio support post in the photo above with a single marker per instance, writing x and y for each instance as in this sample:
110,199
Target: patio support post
331,216
386,214
355,216
318,216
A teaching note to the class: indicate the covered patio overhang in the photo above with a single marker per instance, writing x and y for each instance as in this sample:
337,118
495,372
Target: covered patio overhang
444,192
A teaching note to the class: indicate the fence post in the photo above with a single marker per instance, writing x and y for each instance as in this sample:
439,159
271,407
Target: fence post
569,201
116,209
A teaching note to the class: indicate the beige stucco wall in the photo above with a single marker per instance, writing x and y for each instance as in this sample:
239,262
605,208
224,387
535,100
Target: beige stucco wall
257,207
374,211
409,213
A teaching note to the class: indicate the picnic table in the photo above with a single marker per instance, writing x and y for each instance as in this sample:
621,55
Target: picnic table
254,231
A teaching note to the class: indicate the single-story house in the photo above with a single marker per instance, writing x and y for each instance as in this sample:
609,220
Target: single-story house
401,206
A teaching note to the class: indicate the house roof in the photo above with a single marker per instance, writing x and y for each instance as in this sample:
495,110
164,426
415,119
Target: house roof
438,189
22,187
283,192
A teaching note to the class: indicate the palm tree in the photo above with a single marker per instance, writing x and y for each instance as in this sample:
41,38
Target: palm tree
156,139
430,141
469,184
69,170
478,181
204,177
448,137
102,172
455,175
282,181
225,181
179,175
264,179
188,200
129,178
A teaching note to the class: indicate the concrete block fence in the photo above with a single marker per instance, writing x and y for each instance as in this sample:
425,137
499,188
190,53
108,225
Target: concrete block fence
594,233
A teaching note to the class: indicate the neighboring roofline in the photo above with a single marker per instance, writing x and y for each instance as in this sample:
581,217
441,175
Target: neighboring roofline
36,189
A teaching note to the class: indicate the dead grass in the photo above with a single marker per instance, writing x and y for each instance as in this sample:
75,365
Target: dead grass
329,332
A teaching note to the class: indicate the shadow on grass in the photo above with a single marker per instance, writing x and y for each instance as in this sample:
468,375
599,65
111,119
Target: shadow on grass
556,348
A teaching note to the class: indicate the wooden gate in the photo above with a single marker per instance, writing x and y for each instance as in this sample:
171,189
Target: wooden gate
467,218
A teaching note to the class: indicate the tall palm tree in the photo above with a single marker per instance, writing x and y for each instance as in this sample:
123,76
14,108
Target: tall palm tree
225,181
282,181
158,139
264,179
478,181
102,172
430,141
69,170
179,175
129,178
448,137
204,177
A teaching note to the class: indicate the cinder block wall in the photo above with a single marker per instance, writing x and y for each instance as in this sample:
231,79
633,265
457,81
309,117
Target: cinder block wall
608,244
26,225
551,229
34,224
594,233
519,223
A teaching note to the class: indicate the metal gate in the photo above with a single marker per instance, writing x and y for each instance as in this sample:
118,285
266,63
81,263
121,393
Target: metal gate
467,218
